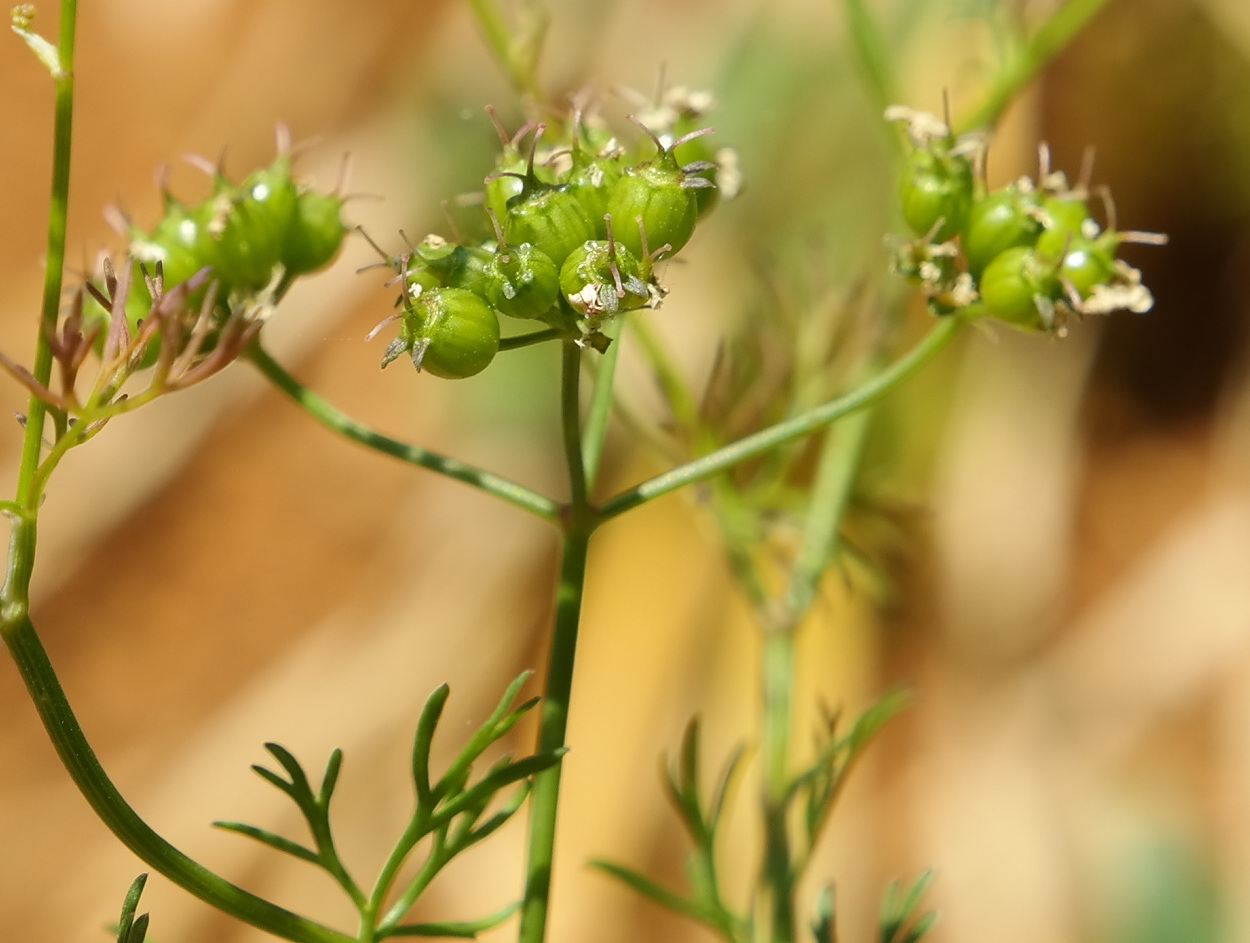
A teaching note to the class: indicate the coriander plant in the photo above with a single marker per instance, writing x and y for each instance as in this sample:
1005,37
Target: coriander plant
568,243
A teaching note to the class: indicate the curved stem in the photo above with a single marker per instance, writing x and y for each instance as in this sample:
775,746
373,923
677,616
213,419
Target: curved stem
750,446
579,523
502,488
80,760
1044,45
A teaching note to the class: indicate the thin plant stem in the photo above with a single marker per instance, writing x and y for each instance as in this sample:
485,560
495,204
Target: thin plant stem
839,464
319,409
494,28
518,59
595,429
579,523
15,593
80,760
1062,26
777,878
874,54
517,341
571,432
707,466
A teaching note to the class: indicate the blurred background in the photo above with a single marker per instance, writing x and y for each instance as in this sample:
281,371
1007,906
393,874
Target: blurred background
1068,601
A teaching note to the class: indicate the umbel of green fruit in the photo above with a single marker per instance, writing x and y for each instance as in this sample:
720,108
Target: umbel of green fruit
578,228
1029,255
253,239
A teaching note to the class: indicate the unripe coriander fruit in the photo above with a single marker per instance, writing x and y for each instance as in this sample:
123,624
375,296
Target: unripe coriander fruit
602,278
452,333
936,188
522,282
179,242
176,247
1067,219
553,220
250,225
1089,263
1019,287
996,223
591,181
653,205
437,263
315,235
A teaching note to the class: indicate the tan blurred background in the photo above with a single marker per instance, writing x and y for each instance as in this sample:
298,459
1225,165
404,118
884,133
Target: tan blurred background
1073,614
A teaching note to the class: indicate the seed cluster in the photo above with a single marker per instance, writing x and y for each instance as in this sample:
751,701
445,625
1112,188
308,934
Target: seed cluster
1030,254
578,222
253,238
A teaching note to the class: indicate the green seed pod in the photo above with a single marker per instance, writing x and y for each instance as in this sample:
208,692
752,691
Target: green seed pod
591,181
175,249
180,242
1020,287
1067,218
249,226
522,282
1089,263
437,263
546,215
655,204
551,218
602,278
315,235
451,332
998,222
936,187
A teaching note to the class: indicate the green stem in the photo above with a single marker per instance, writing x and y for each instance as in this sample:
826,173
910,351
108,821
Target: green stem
839,466
58,213
805,424
874,54
80,760
518,341
15,593
571,434
595,431
778,878
1063,25
837,470
516,50
495,30
320,410
579,523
